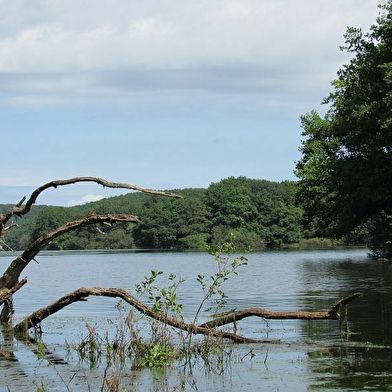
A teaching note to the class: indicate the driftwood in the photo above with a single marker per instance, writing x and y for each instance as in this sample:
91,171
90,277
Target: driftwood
81,295
9,282
11,275
5,294
205,329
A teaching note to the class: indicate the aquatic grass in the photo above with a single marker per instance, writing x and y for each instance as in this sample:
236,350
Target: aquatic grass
90,347
125,338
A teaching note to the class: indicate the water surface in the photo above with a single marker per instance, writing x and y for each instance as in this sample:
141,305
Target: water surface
313,355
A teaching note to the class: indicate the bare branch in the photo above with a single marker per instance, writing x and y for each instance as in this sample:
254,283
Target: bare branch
331,314
204,329
6,293
10,226
343,302
11,275
19,209
101,181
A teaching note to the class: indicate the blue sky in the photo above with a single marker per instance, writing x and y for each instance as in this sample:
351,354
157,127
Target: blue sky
162,94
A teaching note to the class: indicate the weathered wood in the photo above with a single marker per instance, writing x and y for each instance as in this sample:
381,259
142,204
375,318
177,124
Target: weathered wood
9,281
6,293
7,302
331,314
22,209
204,329
11,276
84,292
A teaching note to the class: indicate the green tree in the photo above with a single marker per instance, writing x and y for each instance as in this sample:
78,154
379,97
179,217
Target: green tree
278,219
259,212
230,202
173,224
47,219
346,167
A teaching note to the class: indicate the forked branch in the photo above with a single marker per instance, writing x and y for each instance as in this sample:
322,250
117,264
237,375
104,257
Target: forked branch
5,294
84,292
21,209
9,282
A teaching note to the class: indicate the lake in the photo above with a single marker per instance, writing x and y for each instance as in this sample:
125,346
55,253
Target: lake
312,355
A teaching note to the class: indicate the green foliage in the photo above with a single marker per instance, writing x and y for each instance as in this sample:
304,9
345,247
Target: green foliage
90,347
226,266
230,203
163,300
163,347
346,167
158,355
260,213
166,222
265,212
194,241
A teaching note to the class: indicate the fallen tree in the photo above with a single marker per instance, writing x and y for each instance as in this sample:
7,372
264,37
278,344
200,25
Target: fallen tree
10,281
83,293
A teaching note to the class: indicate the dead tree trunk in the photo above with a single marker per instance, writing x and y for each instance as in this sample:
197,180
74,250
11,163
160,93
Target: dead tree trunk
9,281
205,329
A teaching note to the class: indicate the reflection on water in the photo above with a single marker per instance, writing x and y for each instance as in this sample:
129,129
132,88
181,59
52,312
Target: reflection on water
352,368
313,354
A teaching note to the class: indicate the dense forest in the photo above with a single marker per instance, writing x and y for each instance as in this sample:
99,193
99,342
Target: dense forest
260,213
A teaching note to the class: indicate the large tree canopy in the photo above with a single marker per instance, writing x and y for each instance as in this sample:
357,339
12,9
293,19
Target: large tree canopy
346,167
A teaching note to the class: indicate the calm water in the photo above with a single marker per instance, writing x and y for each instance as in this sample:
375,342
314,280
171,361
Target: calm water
313,355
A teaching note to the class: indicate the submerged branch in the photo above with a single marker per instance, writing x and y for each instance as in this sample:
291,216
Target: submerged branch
84,292
205,329
331,314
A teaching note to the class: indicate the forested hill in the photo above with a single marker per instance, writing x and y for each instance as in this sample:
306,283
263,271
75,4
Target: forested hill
260,213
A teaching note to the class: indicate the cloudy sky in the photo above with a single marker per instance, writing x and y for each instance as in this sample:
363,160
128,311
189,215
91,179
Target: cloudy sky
162,93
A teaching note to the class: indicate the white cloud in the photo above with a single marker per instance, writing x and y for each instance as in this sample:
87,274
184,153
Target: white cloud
111,86
174,44
85,199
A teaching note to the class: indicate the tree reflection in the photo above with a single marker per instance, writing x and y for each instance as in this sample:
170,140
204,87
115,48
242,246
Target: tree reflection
362,357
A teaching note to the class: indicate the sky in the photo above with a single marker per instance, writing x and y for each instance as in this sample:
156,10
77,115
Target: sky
164,94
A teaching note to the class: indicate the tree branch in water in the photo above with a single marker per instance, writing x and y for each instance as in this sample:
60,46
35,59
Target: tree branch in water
331,314
205,329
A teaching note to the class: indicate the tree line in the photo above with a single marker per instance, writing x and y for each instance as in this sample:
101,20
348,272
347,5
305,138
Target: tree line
260,213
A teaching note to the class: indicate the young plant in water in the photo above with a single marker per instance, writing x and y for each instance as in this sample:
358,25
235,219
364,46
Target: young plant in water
226,266
164,343
90,347
213,287
163,300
